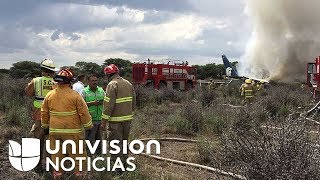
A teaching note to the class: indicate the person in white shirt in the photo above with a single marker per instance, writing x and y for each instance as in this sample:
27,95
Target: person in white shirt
79,86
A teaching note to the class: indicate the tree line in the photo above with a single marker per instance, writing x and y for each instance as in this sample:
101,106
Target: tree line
27,69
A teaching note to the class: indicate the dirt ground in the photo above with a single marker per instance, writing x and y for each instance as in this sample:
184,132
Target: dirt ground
178,151
1,115
8,172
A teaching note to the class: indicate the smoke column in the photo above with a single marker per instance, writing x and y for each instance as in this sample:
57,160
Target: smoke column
286,35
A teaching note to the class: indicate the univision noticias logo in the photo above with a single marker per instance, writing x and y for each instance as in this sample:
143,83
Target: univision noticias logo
26,156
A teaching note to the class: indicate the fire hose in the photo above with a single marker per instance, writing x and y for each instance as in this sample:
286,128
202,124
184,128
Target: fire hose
316,107
210,169
215,170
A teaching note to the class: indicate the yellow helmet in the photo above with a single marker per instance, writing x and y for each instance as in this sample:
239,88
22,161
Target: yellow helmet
248,81
48,64
262,82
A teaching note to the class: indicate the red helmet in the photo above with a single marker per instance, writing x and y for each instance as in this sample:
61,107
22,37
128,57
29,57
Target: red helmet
111,69
64,76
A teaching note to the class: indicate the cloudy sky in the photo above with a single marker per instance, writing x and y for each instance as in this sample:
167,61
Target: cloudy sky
68,31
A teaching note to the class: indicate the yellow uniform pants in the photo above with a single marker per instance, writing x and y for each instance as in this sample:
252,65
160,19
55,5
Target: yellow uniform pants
119,131
37,132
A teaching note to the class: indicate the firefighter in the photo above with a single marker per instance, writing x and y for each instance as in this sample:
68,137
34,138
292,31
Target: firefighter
94,95
247,91
118,108
39,88
66,114
211,85
260,85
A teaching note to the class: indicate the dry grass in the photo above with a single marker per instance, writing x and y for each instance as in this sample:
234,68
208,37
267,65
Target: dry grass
273,154
16,106
240,145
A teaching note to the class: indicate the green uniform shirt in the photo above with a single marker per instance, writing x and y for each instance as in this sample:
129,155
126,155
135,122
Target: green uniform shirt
90,96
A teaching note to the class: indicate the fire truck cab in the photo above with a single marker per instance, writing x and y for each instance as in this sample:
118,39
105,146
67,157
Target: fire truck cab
313,78
171,74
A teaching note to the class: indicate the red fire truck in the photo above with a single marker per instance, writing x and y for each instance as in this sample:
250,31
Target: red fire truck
170,73
313,77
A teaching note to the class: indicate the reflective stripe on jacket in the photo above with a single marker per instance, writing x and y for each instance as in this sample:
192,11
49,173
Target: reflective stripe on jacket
89,96
65,111
260,87
42,86
119,101
248,91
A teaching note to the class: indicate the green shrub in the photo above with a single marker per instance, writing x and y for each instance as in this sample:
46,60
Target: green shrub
207,150
214,124
207,97
178,124
18,116
171,95
187,120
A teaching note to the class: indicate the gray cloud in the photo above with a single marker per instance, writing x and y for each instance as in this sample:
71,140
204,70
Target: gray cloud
156,17
218,8
55,35
76,20
74,37
163,5
13,39
71,36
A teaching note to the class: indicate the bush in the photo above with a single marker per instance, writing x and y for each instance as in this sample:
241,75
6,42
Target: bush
187,120
281,99
171,95
144,96
18,116
148,95
273,154
151,119
207,97
16,107
207,151
214,123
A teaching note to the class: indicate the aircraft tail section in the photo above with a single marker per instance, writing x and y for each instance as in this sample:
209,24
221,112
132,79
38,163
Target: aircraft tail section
230,70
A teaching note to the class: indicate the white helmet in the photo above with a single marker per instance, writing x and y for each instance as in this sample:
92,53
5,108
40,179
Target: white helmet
48,64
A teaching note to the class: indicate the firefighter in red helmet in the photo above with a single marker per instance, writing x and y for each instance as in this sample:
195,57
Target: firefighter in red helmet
118,108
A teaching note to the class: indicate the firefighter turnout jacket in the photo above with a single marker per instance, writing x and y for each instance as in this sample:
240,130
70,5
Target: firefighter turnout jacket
247,90
119,101
64,111
39,87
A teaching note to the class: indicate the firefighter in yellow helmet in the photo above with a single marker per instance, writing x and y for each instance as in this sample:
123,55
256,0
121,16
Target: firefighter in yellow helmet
260,85
118,108
38,88
247,91
211,85
66,114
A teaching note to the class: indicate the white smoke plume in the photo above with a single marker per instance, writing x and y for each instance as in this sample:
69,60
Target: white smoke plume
286,35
